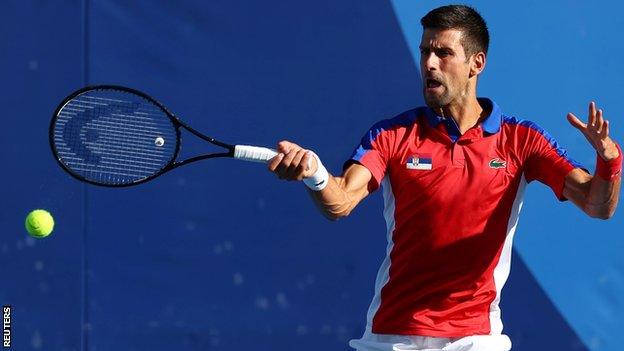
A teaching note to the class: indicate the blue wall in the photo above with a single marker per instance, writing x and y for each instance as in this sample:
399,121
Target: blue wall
221,254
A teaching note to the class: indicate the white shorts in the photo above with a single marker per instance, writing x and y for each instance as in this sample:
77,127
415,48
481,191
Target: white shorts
383,342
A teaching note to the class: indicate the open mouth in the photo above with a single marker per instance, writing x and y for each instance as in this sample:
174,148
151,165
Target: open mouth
432,83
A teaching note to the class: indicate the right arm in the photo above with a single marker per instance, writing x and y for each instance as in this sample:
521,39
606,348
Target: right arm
340,195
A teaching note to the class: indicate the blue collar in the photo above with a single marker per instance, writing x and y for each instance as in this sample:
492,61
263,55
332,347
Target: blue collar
490,125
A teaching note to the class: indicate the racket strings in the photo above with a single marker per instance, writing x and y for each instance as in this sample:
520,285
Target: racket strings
114,137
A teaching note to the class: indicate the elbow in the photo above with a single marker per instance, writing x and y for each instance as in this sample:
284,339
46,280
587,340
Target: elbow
605,215
336,214
600,212
331,217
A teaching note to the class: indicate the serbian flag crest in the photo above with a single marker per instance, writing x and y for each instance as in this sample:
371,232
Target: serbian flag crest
419,161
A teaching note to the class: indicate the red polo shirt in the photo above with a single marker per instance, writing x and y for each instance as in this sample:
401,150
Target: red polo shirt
451,206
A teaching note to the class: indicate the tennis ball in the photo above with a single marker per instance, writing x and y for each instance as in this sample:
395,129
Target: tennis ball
39,223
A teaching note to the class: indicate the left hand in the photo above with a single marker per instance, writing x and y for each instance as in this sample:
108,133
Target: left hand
596,131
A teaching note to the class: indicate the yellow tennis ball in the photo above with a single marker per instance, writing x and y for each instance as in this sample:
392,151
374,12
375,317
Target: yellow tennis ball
39,223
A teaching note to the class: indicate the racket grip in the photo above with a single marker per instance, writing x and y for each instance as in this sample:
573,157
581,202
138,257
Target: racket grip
253,153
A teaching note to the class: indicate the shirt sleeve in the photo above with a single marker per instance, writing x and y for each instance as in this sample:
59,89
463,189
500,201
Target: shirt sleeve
374,152
548,162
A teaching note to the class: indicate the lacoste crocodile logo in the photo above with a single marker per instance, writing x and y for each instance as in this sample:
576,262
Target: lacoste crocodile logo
497,163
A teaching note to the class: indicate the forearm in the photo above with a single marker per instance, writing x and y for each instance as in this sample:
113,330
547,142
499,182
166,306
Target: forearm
334,196
604,189
602,197
334,201
596,195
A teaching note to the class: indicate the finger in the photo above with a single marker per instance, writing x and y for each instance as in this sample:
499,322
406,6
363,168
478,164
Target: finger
306,164
282,168
272,165
604,133
290,171
591,119
599,121
285,146
576,122
311,164
295,171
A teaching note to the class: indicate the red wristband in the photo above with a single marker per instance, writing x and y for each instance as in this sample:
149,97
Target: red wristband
609,170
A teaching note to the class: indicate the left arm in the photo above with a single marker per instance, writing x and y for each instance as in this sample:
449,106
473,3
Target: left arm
596,195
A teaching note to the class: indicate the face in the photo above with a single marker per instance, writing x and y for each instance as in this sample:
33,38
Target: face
445,70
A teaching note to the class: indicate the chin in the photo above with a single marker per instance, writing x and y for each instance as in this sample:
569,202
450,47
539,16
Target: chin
434,102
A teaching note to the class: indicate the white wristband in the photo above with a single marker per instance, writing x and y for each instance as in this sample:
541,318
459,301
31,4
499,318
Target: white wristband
318,181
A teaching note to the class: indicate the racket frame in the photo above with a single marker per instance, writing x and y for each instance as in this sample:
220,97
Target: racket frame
177,123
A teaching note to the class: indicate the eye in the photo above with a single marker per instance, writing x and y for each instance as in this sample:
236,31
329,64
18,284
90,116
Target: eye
443,53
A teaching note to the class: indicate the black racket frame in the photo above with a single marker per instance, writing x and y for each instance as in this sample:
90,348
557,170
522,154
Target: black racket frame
172,164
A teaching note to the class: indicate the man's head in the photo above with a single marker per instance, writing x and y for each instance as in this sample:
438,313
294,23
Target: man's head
453,52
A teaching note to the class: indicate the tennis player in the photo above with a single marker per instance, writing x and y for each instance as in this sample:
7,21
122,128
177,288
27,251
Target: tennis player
453,174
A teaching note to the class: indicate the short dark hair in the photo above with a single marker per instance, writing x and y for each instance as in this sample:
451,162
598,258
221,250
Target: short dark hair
475,35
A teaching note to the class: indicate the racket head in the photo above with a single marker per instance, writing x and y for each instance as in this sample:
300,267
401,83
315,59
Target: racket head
114,136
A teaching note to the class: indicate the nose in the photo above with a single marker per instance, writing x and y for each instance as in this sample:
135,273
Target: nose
429,62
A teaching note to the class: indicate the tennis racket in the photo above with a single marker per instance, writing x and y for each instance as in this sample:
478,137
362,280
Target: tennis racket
116,136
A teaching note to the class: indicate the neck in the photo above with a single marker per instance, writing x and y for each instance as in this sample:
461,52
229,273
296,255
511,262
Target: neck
465,113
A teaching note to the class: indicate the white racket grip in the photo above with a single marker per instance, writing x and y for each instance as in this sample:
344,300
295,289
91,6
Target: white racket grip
253,153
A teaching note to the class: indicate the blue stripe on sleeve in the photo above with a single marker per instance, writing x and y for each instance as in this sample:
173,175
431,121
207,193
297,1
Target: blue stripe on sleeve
403,120
560,150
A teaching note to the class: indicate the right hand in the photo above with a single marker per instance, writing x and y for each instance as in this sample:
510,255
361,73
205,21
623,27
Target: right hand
292,162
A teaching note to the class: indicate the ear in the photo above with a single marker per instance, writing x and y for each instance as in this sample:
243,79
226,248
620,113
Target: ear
477,64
